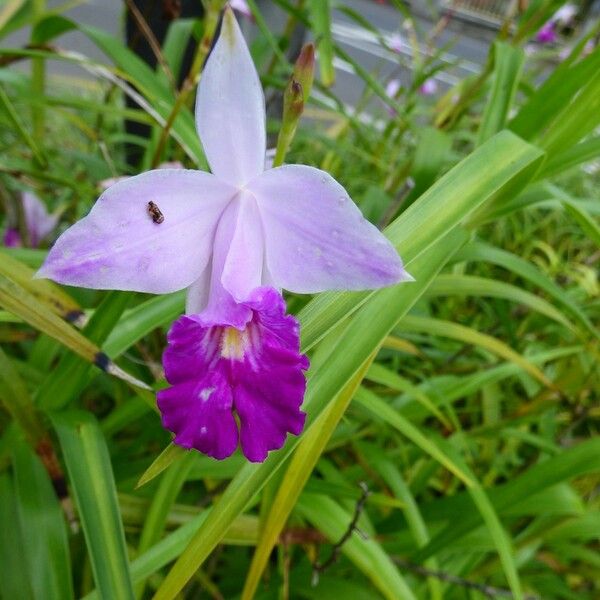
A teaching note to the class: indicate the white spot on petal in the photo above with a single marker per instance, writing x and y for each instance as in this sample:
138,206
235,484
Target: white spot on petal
206,393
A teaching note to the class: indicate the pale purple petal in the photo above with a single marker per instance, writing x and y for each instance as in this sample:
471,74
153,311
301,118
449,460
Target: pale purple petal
565,14
429,87
316,237
256,372
120,246
39,223
391,89
221,307
242,271
241,6
198,293
230,108
396,42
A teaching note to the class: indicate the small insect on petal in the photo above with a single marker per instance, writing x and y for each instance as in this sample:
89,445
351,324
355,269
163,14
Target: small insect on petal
155,213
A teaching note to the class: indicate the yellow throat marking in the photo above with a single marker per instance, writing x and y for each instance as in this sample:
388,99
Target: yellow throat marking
233,343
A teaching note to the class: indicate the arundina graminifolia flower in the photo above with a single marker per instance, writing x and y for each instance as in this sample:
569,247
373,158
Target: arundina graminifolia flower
226,236
547,34
38,221
429,87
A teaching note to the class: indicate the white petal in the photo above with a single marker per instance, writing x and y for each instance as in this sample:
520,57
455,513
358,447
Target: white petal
119,246
230,108
317,238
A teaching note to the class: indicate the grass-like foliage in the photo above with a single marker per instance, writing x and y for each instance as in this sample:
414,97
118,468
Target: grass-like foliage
450,448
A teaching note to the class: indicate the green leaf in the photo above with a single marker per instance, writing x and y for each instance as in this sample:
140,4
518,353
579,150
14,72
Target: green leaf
46,549
576,120
69,377
584,220
46,291
551,98
572,462
478,251
297,474
92,482
570,157
508,63
169,455
19,302
448,284
320,16
476,338
447,457
14,578
368,555
443,206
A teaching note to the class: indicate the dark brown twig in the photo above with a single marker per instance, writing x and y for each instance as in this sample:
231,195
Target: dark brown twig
487,590
318,567
147,32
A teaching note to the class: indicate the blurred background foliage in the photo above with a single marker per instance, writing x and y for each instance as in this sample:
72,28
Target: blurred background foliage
451,448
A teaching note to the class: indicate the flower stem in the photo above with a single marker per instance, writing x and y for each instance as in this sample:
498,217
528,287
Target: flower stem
38,75
211,20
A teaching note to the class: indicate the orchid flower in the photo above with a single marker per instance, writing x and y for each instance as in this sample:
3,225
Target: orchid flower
396,42
429,87
565,14
547,34
392,88
38,221
234,239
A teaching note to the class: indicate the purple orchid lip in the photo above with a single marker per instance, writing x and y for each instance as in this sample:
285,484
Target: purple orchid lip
219,372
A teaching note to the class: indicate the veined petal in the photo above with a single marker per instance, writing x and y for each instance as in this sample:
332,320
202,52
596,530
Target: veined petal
120,246
242,271
198,293
230,108
316,238
221,306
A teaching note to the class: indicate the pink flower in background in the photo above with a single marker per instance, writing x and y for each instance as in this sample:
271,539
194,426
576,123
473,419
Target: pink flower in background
391,89
565,14
429,87
396,42
547,34
38,221
233,238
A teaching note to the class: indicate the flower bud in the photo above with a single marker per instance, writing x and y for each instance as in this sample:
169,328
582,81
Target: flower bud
304,69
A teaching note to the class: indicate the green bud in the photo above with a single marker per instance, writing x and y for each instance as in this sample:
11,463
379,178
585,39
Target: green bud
293,103
304,69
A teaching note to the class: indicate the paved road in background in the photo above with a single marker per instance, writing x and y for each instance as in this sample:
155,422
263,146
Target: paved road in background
468,48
